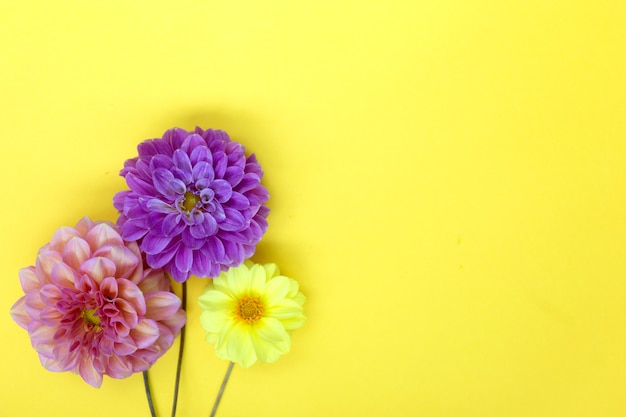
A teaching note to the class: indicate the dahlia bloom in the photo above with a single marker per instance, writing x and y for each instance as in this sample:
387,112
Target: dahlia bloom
249,313
90,306
195,204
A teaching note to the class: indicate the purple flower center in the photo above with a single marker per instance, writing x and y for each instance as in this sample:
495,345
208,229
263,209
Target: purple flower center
190,201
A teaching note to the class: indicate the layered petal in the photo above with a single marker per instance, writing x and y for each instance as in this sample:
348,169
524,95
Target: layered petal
193,192
90,307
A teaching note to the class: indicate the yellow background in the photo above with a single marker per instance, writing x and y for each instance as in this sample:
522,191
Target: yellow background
447,179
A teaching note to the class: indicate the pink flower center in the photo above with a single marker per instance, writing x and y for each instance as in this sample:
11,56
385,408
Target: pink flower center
92,321
249,309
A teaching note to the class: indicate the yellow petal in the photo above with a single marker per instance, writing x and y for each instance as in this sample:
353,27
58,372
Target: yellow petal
271,330
239,346
213,321
294,322
257,279
271,270
215,300
285,309
265,351
239,280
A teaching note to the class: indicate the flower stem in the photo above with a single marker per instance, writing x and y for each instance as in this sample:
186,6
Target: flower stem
180,353
146,384
219,394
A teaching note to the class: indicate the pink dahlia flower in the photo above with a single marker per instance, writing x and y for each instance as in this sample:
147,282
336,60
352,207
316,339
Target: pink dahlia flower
91,307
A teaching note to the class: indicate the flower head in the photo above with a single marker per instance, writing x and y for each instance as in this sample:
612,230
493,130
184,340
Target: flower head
195,202
249,313
91,307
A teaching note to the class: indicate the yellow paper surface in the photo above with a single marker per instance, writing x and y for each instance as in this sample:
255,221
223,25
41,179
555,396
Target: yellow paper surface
447,184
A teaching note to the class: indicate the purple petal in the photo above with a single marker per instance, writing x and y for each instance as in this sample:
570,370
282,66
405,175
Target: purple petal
222,189
159,206
233,175
248,182
238,201
192,142
159,260
234,220
206,195
202,171
201,263
201,153
133,230
191,242
153,244
161,162
164,181
181,160
176,137
178,275
215,248
172,225
139,185
220,161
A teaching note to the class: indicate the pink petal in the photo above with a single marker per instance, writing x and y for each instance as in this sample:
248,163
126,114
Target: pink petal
131,293
50,294
124,258
75,252
123,348
98,268
127,312
84,225
116,368
103,234
63,275
155,280
145,334
29,279
161,305
89,373
44,263
50,316
61,237
33,304
108,287
19,315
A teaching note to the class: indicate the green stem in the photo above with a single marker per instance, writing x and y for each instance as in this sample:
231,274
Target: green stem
219,395
146,385
180,353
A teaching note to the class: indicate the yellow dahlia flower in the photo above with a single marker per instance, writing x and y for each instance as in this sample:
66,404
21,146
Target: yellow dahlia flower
249,313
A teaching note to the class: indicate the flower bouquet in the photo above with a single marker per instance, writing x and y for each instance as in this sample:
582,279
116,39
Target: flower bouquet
99,299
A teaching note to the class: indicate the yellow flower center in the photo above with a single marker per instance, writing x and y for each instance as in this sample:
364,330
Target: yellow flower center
91,320
190,201
249,309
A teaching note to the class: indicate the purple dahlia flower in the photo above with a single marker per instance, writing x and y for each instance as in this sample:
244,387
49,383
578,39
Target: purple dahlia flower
90,306
195,204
